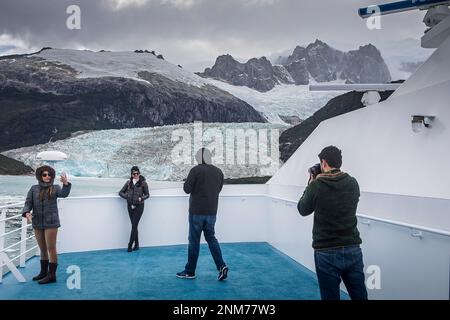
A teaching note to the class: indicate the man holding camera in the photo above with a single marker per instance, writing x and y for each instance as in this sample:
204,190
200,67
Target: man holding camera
333,196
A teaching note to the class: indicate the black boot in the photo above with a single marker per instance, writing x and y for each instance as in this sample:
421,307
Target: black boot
44,271
51,275
136,246
130,247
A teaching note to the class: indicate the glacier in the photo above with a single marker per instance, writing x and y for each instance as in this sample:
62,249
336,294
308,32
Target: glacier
284,100
111,153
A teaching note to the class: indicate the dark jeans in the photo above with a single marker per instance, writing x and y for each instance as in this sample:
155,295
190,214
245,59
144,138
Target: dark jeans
344,263
197,224
135,216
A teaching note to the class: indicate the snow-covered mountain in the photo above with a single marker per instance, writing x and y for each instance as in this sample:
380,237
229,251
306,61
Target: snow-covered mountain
113,152
90,64
402,57
56,92
318,61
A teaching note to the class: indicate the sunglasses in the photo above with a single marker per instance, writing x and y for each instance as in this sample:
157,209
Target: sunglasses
135,173
44,175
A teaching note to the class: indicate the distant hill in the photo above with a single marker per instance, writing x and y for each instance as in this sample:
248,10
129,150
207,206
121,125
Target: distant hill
10,166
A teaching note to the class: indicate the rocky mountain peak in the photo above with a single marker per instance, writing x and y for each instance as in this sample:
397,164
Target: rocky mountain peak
317,60
371,51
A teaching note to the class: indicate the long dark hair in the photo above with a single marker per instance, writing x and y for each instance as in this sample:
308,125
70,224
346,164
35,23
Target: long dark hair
50,192
46,190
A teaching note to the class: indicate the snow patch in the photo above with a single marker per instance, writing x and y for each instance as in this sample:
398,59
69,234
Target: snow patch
92,64
285,100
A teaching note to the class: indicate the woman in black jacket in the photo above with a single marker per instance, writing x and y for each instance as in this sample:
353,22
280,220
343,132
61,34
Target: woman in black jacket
42,202
135,191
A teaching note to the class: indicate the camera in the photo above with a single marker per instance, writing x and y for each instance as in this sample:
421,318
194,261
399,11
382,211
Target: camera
315,170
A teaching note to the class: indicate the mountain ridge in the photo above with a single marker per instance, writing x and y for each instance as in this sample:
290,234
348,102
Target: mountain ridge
317,60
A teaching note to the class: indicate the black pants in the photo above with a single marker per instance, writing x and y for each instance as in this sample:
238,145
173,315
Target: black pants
135,216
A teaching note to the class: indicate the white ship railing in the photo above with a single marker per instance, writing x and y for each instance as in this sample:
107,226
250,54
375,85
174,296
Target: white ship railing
5,260
366,219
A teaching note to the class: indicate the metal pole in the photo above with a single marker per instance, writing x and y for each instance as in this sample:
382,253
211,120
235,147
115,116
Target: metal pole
2,239
23,243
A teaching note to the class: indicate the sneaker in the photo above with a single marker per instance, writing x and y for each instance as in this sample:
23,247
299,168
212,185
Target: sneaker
185,275
223,273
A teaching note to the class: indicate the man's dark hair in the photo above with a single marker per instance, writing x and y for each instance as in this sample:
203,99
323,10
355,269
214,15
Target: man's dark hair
332,155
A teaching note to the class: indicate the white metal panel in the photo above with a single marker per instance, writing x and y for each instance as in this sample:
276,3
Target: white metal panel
102,223
411,267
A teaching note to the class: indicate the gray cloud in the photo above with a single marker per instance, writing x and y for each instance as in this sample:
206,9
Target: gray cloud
194,32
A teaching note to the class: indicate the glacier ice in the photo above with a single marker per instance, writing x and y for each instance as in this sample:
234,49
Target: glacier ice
111,153
285,100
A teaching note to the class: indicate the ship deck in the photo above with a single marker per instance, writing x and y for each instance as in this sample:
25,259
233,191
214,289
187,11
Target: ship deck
257,271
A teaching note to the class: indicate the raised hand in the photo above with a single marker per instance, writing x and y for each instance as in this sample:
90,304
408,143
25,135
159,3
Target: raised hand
64,180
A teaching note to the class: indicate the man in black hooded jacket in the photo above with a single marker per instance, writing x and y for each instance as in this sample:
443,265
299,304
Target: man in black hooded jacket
204,183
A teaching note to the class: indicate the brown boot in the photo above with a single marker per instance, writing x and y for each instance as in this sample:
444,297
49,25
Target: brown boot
51,276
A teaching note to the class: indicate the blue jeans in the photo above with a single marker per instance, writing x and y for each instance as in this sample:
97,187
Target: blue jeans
197,224
344,263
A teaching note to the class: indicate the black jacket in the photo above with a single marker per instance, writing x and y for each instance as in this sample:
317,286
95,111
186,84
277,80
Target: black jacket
132,192
204,184
333,197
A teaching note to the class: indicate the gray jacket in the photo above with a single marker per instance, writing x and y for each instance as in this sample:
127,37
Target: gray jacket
45,213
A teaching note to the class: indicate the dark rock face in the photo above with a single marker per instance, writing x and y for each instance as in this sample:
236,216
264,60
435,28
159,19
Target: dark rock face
364,65
256,73
282,75
323,61
292,120
299,53
41,100
298,71
293,137
13,167
318,60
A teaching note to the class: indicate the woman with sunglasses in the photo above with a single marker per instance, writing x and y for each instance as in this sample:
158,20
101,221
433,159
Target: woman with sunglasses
135,191
41,210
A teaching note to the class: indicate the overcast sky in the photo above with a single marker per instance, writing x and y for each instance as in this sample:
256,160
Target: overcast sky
194,32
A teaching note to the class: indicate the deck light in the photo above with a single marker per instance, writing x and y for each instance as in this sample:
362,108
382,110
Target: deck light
419,122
